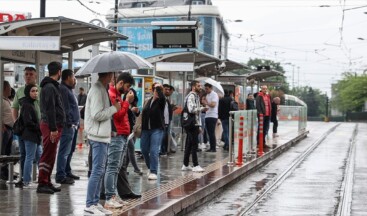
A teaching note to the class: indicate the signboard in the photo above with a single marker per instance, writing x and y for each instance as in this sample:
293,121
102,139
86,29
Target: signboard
29,43
174,66
174,38
29,56
13,16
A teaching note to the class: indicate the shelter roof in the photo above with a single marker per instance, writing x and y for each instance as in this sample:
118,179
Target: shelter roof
263,74
204,64
74,34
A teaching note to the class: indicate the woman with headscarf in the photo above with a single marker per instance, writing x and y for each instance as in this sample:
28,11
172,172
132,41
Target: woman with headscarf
32,133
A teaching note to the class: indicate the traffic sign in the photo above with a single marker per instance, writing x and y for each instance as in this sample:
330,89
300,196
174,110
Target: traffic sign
29,43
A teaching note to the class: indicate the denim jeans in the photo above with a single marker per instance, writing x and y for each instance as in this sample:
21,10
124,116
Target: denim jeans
210,124
99,156
64,151
203,136
150,146
22,153
225,133
116,150
73,145
30,149
38,154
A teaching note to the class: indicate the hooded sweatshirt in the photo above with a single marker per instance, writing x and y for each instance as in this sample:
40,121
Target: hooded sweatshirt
52,109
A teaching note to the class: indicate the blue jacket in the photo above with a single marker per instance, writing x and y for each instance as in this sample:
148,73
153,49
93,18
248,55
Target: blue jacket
70,105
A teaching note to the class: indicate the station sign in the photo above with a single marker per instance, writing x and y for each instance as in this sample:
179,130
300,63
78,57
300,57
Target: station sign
49,43
6,16
174,66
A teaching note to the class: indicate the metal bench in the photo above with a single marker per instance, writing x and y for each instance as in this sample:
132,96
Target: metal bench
10,160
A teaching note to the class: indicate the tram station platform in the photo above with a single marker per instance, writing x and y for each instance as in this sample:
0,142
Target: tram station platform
175,192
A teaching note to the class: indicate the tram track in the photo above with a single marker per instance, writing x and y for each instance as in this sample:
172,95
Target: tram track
280,179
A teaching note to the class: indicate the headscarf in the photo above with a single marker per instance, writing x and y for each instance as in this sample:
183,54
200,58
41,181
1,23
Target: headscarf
27,91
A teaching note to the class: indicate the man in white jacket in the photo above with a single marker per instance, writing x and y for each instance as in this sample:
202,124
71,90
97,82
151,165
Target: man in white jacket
98,125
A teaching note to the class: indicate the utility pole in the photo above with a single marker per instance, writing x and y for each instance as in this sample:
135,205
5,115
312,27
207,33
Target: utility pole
298,76
43,8
292,76
114,46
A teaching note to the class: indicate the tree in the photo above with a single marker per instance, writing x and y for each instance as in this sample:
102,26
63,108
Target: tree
350,93
314,98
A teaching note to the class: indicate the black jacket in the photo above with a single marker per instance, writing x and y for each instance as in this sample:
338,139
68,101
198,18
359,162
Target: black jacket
28,113
70,105
250,104
155,113
260,104
274,111
52,108
224,107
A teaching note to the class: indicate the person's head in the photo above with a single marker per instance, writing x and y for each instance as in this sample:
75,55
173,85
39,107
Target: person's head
231,94
276,100
226,92
68,78
81,90
168,90
54,70
208,88
124,82
12,94
30,75
250,96
6,89
31,91
264,89
155,88
105,78
136,99
195,86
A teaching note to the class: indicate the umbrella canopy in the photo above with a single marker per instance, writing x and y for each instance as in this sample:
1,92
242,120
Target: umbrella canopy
113,62
217,87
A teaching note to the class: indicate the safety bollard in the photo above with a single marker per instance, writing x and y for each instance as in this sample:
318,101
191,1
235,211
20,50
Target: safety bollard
231,152
240,142
261,135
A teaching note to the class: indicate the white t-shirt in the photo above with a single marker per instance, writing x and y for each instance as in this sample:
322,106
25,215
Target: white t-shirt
212,112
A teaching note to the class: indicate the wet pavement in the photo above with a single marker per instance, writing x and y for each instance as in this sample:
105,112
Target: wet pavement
172,189
313,188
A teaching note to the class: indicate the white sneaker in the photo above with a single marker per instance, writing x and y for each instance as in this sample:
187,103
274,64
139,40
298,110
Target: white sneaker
112,203
119,200
186,168
202,146
30,185
93,210
198,169
275,135
103,210
152,176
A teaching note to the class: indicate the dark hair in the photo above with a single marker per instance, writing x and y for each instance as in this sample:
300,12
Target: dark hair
193,83
53,68
6,83
136,99
168,86
249,94
81,89
226,93
12,95
126,77
208,85
66,73
30,69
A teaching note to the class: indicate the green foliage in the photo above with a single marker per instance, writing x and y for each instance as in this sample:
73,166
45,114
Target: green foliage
350,93
314,98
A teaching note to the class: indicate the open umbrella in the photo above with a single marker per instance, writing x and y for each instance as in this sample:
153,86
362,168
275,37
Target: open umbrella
217,87
113,62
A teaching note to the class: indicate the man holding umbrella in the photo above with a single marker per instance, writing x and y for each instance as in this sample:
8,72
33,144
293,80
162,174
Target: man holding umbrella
211,116
98,125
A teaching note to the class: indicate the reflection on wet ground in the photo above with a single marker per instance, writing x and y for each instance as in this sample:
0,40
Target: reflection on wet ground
171,186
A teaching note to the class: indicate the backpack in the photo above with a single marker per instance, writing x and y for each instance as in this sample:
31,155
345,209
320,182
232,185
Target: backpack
188,120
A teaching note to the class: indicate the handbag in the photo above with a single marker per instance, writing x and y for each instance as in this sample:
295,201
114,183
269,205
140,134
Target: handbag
188,120
138,123
18,126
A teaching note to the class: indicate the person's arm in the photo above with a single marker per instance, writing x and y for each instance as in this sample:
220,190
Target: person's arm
15,106
124,108
65,99
98,111
214,101
48,98
191,104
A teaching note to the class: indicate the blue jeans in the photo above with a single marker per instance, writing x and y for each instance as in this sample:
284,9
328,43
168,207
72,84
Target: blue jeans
116,150
225,134
66,139
22,152
73,145
99,156
150,143
30,149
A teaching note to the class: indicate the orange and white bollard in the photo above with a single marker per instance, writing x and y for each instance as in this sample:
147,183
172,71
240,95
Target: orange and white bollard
240,142
261,135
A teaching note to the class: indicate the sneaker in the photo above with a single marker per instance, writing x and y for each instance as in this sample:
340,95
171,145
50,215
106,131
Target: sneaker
119,200
275,135
66,180
186,168
71,175
138,172
112,203
103,210
45,189
54,188
30,185
93,210
198,169
152,176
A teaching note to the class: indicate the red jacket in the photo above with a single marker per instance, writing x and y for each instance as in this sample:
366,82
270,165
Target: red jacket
121,118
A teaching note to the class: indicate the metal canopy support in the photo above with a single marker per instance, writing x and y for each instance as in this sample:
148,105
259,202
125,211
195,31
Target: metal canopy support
70,60
1,96
37,63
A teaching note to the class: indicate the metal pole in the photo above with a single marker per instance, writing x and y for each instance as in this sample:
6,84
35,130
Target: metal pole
70,60
1,96
230,162
114,48
43,8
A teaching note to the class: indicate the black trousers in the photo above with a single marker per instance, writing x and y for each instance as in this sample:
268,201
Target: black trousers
191,146
266,123
275,126
210,124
